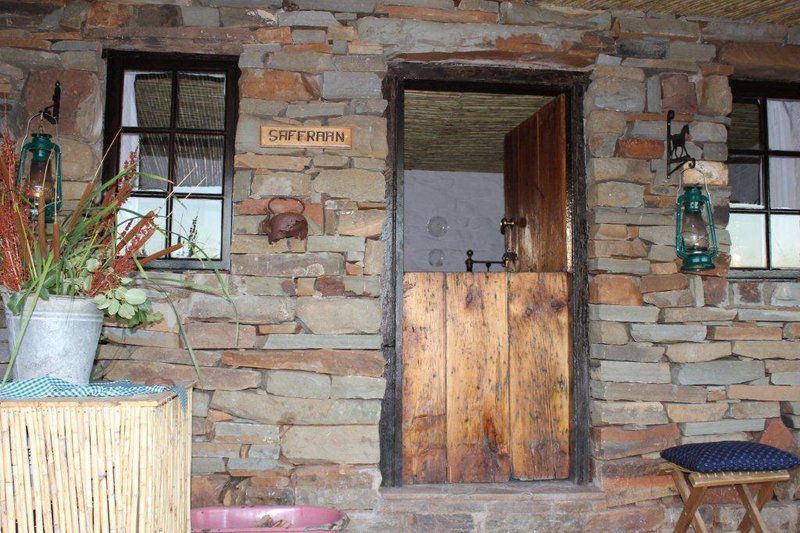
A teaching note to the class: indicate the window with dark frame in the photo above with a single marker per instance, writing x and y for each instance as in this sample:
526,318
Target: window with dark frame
764,175
178,114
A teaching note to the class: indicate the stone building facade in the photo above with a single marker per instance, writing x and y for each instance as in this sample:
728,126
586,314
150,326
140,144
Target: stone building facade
290,414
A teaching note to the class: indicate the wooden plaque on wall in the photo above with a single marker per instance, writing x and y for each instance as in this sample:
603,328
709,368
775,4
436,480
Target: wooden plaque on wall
285,135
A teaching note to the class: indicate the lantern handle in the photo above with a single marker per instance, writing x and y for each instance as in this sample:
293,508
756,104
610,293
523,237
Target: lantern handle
714,249
51,113
692,164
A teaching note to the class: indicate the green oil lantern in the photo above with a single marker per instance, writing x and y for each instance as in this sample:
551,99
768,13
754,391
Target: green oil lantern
39,174
695,237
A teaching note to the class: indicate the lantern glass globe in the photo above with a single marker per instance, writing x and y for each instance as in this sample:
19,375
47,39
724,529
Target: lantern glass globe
39,182
694,233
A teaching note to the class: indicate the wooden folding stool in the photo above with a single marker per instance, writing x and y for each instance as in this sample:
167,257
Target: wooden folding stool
692,488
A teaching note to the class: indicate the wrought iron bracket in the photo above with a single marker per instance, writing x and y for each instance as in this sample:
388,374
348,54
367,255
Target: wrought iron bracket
508,257
52,112
676,147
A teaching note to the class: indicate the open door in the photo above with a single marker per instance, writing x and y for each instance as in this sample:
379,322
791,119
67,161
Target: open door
486,355
535,180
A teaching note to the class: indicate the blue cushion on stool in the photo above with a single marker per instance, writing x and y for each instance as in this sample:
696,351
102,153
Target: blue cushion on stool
729,456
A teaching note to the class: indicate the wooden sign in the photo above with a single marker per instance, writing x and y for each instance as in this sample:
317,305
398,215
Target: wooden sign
306,137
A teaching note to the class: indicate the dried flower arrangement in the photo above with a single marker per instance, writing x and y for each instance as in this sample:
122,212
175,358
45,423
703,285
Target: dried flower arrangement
85,254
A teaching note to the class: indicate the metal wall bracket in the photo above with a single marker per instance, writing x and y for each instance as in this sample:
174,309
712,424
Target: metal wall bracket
508,258
51,113
676,146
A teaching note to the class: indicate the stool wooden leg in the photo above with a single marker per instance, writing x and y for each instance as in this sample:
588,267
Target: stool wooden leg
684,490
753,509
690,509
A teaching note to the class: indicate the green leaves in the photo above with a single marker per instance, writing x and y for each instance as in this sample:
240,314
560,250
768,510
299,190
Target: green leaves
126,311
131,306
135,296
15,302
119,292
51,280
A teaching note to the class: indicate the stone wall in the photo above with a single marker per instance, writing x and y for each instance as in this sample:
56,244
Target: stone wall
290,414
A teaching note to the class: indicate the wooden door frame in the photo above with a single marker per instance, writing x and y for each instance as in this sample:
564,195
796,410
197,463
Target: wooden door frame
454,77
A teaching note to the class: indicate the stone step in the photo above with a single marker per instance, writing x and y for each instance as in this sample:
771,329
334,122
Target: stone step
544,496
491,491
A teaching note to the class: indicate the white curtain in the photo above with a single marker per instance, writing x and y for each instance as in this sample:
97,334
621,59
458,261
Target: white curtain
783,119
199,157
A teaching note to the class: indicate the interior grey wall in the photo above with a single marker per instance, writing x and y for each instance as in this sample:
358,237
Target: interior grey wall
472,205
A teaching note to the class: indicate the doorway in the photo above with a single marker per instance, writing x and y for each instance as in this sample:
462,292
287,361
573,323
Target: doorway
488,373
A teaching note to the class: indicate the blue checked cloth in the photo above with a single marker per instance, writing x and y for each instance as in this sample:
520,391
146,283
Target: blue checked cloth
48,387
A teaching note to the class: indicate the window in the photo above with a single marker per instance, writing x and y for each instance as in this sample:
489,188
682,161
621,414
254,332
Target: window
178,112
764,173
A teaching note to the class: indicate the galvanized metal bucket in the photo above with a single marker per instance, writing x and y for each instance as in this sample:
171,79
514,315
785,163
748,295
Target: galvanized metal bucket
60,341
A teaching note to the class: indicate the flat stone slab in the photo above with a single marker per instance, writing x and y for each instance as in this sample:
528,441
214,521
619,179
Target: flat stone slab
305,341
717,372
667,333
512,490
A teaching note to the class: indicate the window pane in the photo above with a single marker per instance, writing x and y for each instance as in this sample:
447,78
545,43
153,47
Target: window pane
146,99
748,246
199,221
201,100
784,182
784,241
745,129
783,124
153,158
199,165
133,209
744,173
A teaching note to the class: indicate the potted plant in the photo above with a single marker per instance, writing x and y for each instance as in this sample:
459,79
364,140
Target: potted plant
59,282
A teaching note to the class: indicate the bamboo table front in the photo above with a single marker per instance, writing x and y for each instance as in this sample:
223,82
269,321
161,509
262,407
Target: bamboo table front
95,464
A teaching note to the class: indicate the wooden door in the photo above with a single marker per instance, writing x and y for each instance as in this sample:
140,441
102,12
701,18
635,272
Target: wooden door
535,179
478,430
536,190
539,374
486,356
485,376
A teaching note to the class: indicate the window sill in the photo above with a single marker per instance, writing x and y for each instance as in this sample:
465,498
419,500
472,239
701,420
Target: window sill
760,275
184,265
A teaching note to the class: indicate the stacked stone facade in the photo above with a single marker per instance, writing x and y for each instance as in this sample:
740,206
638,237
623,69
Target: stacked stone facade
289,405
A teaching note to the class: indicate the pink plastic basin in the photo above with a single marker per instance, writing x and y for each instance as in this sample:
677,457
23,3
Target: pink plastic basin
246,519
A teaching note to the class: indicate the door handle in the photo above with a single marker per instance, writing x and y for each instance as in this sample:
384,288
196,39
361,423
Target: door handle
508,258
506,223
